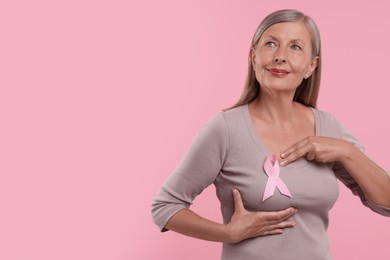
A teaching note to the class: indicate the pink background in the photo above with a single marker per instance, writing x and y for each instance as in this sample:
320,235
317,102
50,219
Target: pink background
99,101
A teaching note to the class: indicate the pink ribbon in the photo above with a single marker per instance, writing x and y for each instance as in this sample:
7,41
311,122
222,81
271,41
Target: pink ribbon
272,169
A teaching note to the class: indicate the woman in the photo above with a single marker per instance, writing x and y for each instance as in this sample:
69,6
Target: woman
273,158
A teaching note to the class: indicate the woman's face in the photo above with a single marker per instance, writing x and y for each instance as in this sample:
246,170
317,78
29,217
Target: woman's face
282,58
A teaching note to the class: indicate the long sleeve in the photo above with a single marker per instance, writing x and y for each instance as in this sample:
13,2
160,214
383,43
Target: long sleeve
349,181
197,170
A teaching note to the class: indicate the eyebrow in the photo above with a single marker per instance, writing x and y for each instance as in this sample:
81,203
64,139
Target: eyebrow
293,40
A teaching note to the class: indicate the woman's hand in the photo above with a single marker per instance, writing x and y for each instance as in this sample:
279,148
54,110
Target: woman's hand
245,224
321,149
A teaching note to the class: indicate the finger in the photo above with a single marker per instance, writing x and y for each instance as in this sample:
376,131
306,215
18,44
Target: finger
276,217
294,147
278,228
273,232
295,153
282,225
299,146
310,156
238,205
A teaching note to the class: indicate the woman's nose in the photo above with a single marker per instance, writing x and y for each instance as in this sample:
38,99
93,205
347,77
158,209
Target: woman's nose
280,56
279,59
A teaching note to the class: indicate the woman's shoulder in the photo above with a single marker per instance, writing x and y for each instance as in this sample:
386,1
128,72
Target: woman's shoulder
226,120
324,115
234,114
327,123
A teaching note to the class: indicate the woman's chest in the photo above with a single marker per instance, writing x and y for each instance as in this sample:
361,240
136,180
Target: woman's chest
310,185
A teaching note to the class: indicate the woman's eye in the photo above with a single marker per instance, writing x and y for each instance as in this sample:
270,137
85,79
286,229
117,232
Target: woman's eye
296,47
270,44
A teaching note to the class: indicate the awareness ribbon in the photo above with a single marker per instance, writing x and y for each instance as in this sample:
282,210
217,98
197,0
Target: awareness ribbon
272,169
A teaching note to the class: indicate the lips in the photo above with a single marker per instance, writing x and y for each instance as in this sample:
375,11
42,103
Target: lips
278,72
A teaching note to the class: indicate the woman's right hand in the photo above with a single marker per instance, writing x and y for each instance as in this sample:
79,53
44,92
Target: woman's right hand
245,224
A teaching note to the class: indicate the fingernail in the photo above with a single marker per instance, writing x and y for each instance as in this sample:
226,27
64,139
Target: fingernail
282,155
283,163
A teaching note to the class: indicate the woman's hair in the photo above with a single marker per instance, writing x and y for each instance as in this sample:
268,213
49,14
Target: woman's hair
307,92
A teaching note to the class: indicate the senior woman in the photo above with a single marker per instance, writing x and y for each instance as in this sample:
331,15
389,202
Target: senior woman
273,157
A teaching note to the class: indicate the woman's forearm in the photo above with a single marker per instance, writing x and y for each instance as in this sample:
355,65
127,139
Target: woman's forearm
372,179
243,223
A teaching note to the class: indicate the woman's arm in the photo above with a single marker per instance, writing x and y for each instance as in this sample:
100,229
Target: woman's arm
243,224
372,179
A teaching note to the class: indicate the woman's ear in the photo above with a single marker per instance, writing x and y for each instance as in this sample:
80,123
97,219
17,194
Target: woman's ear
253,58
313,66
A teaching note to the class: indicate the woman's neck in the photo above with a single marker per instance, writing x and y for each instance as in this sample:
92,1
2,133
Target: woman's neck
276,109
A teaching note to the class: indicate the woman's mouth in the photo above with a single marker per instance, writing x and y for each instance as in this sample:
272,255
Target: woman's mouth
278,72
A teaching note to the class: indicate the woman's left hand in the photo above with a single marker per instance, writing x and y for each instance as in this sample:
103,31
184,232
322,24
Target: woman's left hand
321,149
